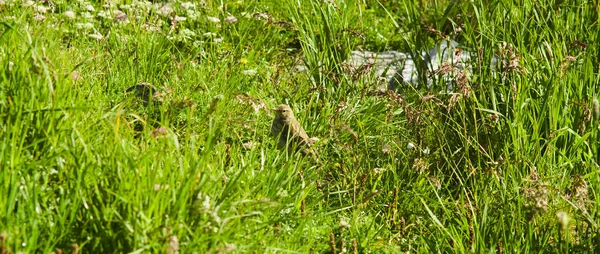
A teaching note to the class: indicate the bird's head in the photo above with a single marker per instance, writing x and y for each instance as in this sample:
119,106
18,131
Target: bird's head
283,112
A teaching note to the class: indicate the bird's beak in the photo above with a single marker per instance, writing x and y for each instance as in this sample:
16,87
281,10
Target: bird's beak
274,109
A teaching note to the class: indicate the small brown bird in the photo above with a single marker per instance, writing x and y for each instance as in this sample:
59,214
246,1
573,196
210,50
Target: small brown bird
147,92
289,131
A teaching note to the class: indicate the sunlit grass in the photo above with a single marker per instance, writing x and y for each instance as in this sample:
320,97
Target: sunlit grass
506,162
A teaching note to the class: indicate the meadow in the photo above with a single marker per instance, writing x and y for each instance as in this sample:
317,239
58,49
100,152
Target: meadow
507,161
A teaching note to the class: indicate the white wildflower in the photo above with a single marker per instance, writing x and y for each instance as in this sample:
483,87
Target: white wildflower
261,15
188,5
563,219
141,5
426,150
209,34
197,44
41,9
87,15
193,15
120,16
69,14
173,247
344,224
250,145
378,170
206,203
213,19
126,7
231,19
187,33
249,72
164,11
85,26
39,17
104,14
96,36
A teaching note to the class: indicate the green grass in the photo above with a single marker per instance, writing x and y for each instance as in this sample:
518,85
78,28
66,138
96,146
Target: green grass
494,165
